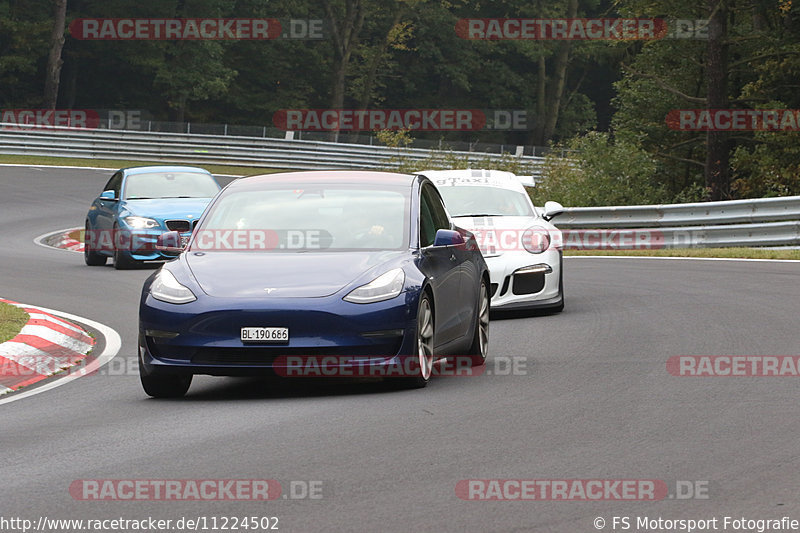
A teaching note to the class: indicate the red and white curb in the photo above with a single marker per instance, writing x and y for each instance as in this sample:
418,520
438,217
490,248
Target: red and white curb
46,345
61,240
68,243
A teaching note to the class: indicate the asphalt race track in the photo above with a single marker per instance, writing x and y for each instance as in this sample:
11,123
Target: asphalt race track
591,399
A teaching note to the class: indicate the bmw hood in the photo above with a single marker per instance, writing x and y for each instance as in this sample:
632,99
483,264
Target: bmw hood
247,274
168,208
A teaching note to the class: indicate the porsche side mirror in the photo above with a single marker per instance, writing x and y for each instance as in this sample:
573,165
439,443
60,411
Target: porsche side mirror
552,210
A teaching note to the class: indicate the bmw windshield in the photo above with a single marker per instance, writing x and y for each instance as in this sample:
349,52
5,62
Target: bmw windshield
170,185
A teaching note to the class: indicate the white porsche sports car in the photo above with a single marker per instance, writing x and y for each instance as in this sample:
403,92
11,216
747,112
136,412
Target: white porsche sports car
522,248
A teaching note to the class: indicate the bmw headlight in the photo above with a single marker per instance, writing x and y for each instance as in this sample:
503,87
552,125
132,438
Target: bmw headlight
384,287
536,240
167,289
140,222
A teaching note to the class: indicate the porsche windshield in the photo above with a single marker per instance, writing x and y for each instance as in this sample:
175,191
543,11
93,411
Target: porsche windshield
485,201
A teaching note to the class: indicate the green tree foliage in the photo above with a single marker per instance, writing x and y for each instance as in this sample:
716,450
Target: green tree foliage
401,54
762,66
600,172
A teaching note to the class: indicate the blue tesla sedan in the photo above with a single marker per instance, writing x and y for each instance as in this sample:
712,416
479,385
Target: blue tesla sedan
335,273
140,203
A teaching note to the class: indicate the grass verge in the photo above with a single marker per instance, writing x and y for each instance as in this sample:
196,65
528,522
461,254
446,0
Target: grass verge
120,163
12,319
738,253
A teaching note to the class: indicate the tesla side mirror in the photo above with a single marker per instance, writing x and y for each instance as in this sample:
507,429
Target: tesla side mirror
448,237
108,195
169,243
552,210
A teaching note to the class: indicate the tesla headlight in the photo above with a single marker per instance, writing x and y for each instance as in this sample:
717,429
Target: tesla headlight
536,240
141,222
383,287
167,289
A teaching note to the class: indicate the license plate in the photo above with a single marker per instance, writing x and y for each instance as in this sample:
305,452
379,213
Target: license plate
272,335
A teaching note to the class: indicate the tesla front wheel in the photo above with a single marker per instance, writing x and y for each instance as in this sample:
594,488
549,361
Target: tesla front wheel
422,361
480,341
163,386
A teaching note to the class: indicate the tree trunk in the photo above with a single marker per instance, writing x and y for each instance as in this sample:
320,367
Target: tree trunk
345,38
541,102
375,62
54,61
717,171
559,81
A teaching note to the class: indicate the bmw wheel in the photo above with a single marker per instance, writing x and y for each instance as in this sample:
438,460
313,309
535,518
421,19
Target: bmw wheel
90,257
121,260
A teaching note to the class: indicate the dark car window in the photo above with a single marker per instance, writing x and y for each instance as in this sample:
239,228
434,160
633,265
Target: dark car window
114,184
433,216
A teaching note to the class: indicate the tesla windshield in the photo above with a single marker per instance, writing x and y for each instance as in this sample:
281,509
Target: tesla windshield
315,218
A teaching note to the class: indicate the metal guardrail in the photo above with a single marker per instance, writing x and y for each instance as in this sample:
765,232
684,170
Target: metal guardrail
214,149
641,216
758,222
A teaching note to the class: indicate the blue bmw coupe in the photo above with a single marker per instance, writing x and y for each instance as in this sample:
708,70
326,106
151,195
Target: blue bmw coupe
335,273
140,203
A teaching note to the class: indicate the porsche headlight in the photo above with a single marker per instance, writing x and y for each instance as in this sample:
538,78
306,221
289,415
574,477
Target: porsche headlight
536,240
167,289
384,287
141,222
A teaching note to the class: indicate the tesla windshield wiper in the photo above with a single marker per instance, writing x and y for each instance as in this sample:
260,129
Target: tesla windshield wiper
480,215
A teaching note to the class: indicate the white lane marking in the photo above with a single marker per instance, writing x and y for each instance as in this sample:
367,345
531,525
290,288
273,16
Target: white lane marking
38,240
687,258
111,349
